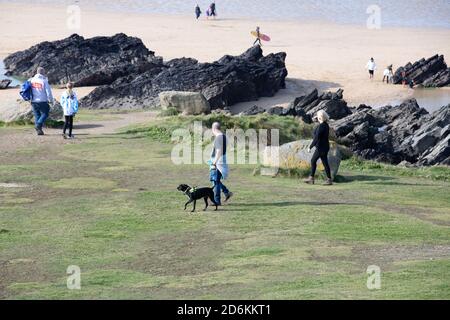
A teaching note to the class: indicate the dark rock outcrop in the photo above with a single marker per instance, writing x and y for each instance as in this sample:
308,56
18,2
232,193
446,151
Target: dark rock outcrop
5,83
405,133
86,62
307,106
230,80
432,72
253,111
397,134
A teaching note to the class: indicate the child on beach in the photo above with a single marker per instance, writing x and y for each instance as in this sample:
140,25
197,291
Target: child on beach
69,103
388,74
371,66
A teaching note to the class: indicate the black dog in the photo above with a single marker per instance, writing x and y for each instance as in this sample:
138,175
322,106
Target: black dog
195,194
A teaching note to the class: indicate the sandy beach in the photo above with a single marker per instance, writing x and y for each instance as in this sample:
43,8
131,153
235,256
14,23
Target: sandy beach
322,55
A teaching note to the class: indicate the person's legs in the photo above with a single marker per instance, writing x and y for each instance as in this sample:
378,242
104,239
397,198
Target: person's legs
324,159
70,125
314,159
225,190
37,113
217,189
66,124
44,109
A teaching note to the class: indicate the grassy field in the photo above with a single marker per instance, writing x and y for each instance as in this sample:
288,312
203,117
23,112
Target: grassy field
109,205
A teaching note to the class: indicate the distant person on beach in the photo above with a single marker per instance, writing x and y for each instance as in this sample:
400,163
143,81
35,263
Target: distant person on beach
404,78
391,73
322,145
258,37
212,10
388,74
371,66
41,98
198,12
218,164
69,103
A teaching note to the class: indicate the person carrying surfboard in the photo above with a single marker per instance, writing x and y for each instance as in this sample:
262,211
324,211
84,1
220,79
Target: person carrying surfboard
258,37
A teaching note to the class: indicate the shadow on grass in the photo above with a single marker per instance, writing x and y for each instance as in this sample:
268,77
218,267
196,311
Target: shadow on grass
293,203
87,126
395,183
347,179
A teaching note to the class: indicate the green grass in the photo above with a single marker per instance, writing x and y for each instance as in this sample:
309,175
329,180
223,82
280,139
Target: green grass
290,129
435,172
19,123
109,205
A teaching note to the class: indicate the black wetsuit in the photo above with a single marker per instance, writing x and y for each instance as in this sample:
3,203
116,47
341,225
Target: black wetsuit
322,144
258,38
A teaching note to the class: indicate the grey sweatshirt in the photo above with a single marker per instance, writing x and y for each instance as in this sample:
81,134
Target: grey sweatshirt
41,89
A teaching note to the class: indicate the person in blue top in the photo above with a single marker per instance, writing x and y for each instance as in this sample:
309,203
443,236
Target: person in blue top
69,103
218,164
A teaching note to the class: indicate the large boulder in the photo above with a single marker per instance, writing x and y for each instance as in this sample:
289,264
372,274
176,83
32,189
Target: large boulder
188,103
295,155
5,83
230,80
253,111
307,106
432,72
22,111
86,62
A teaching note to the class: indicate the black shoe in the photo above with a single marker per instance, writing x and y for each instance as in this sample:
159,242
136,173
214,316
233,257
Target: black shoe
228,196
39,132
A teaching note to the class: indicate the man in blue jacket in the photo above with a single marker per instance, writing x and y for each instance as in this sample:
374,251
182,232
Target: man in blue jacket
41,99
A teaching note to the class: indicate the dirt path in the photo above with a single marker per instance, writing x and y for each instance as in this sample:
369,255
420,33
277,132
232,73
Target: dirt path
14,138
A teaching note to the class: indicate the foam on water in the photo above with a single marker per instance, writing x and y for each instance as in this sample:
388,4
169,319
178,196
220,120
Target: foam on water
398,13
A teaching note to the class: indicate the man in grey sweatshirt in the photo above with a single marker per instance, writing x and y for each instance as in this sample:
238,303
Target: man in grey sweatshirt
42,96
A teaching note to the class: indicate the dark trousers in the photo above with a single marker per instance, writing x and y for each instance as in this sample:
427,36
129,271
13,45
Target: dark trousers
323,156
258,40
40,111
68,124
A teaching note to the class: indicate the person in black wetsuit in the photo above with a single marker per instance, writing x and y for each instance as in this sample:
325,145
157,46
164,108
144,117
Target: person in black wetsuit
258,37
212,8
322,144
198,12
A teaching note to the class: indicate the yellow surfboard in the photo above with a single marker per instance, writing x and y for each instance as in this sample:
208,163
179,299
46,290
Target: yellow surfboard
262,36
